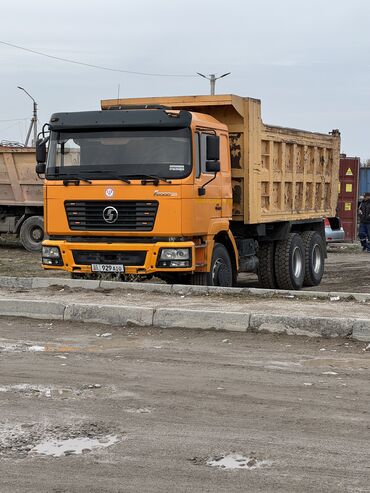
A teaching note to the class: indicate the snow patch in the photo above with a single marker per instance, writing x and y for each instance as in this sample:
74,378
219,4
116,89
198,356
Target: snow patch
27,389
7,347
73,446
237,461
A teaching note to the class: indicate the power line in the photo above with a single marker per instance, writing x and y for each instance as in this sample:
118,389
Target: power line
91,65
8,126
15,120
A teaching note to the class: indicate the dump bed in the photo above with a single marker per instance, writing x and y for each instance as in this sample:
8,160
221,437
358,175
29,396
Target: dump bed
278,173
19,184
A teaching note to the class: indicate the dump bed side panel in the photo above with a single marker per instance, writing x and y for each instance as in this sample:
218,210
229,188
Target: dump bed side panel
299,175
19,184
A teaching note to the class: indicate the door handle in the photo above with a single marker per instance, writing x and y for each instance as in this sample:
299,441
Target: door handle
218,207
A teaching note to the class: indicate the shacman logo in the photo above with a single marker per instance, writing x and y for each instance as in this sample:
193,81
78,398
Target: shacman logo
109,192
110,214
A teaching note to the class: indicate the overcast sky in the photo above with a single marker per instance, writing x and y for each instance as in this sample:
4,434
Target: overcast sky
307,61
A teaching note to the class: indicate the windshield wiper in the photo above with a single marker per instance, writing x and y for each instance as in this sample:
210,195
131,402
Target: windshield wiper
75,179
145,178
67,179
111,175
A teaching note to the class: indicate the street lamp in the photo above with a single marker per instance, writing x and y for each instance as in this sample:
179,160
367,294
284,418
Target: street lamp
212,79
33,120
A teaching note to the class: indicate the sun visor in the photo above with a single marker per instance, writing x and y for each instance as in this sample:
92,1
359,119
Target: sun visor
143,118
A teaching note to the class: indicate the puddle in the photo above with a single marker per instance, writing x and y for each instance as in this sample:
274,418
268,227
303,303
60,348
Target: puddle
22,440
237,461
73,446
282,365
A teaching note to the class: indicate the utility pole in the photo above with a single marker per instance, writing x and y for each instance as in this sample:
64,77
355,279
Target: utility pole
212,79
33,120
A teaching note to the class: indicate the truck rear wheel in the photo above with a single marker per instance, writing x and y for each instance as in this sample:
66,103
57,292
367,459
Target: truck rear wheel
32,233
221,270
290,262
314,258
266,267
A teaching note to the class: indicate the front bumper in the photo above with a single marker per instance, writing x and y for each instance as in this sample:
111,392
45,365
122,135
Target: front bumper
146,254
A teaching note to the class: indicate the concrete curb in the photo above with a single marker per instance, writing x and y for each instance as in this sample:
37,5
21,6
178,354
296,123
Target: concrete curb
310,326
53,310
109,314
45,282
304,325
201,319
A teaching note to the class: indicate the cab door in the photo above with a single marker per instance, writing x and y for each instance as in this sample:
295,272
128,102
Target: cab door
208,196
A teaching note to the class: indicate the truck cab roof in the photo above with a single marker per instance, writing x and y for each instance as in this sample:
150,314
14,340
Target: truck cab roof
120,118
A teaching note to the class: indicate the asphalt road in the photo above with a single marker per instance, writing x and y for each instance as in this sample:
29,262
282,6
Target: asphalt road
152,408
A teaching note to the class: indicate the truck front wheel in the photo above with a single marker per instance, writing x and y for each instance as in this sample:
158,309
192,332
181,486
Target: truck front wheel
314,258
221,273
290,262
32,233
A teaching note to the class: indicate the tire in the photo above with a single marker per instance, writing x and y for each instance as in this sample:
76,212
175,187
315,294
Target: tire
266,265
173,278
222,273
290,262
32,233
199,279
314,258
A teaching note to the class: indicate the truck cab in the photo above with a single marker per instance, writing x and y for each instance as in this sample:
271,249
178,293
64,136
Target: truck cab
139,191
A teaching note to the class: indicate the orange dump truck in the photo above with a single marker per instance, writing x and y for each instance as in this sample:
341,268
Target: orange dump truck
21,196
190,189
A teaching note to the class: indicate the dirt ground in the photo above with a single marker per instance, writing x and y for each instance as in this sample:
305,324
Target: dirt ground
347,267
137,410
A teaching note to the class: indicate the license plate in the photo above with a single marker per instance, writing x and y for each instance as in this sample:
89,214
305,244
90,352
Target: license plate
107,268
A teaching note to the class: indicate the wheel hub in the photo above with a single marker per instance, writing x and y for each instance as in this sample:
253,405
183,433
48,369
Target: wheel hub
37,234
297,261
316,259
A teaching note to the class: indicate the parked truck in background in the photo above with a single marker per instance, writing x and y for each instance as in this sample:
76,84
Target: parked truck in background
21,196
191,189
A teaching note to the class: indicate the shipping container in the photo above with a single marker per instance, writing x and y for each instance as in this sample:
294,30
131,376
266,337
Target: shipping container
348,195
364,181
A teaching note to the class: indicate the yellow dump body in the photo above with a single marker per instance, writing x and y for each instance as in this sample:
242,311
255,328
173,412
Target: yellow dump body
19,184
278,174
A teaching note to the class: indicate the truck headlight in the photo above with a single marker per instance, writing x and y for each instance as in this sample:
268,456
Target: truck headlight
174,257
51,256
50,252
174,254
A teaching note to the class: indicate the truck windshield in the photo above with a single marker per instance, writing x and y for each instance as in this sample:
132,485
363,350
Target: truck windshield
165,153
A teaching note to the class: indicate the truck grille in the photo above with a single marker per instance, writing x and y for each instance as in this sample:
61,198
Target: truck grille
129,215
87,257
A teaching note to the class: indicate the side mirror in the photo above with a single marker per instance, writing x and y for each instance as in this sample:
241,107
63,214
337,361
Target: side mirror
40,168
213,148
213,166
41,151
